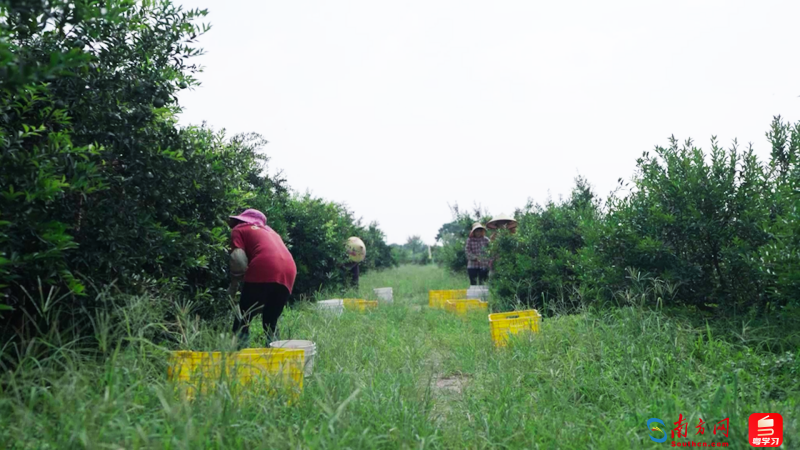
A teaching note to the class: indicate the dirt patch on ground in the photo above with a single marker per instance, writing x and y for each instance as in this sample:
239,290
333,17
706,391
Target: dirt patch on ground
447,391
454,383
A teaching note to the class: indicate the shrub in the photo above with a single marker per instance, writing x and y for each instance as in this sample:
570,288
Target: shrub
693,222
718,230
101,186
778,260
541,261
414,251
379,253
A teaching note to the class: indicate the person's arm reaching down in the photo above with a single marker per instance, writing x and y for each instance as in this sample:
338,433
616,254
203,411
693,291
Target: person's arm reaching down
239,264
239,261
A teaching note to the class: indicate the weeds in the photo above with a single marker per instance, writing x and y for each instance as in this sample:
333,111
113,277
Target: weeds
588,380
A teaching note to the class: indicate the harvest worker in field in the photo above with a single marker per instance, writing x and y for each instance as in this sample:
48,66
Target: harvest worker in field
501,222
261,259
477,262
356,252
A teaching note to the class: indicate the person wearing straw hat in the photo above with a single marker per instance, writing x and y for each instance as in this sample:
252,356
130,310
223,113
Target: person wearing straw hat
356,253
260,259
502,222
477,263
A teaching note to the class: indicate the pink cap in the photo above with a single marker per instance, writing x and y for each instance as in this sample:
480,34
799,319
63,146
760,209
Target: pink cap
252,216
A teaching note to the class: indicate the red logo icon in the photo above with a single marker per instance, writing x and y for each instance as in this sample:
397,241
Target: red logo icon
765,430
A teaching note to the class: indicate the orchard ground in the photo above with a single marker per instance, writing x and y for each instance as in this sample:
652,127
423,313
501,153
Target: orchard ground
406,376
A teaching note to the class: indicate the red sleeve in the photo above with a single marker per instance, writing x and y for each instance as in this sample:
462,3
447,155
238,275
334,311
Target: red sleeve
236,239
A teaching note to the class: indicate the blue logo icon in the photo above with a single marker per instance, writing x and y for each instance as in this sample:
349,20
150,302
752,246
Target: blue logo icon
654,428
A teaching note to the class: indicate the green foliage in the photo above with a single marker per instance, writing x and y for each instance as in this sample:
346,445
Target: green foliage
41,167
778,261
414,251
316,234
104,166
541,260
317,231
406,376
25,22
379,253
694,222
100,185
718,229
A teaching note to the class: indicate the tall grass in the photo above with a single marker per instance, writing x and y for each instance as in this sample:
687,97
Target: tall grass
405,376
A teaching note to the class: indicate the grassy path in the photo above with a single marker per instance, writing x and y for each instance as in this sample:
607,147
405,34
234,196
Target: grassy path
405,376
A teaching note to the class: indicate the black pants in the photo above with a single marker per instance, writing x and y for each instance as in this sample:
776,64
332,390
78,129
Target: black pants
265,298
355,272
350,275
477,277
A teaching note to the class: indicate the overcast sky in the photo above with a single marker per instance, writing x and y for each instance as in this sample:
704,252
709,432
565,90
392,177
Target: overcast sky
400,108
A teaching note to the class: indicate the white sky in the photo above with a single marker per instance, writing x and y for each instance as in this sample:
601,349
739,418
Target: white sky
399,108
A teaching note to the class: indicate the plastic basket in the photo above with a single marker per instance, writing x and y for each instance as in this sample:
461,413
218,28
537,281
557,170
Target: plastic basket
357,304
503,325
462,307
250,370
437,299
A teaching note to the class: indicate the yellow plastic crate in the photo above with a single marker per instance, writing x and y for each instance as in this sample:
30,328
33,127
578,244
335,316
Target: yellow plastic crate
502,325
358,304
462,307
256,369
437,299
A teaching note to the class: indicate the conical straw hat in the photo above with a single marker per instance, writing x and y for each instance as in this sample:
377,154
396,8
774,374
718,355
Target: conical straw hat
476,226
499,221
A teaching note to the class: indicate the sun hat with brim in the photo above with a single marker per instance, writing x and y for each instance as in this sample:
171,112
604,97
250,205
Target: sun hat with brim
252,216
476,226
500,221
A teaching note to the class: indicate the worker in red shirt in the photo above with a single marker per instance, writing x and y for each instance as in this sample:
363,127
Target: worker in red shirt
261,259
